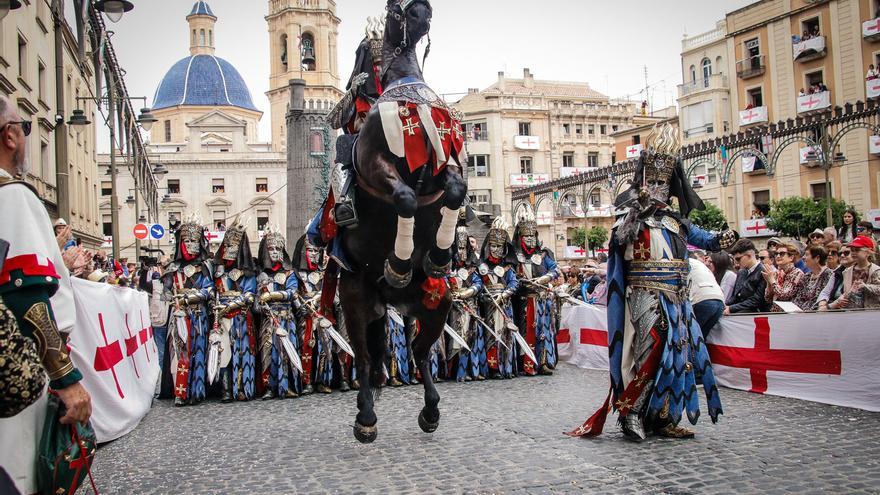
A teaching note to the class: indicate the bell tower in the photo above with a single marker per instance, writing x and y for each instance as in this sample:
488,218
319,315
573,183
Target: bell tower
302,45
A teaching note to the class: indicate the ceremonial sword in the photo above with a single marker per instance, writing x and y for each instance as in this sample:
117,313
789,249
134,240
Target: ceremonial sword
340,341
514,330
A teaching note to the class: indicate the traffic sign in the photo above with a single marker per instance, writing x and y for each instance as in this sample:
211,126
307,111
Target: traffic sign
157,231
141,231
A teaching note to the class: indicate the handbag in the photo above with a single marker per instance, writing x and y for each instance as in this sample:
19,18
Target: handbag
66,452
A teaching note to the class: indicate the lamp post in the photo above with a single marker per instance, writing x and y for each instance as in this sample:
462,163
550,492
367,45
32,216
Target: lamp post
113,9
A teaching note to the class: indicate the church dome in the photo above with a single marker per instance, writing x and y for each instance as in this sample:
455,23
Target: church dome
204,80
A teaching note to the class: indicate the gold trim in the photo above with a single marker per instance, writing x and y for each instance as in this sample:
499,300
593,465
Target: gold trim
53,352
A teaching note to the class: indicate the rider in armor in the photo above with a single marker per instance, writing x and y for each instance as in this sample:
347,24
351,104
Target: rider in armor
277,285
187,283
235,282
317,346
466,285
497,269
536,269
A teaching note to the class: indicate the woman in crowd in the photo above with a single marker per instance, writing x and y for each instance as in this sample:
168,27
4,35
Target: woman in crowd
719,263
839,259
847,231
766,258
784,282
807,297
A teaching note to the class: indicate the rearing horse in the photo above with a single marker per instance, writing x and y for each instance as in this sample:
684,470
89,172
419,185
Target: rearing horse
408,161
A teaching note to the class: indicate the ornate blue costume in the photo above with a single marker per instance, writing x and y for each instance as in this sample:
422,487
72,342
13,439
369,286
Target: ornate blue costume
499,285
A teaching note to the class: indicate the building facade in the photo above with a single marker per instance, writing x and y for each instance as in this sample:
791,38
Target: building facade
777,60
31,43
206,138
522,132
302,45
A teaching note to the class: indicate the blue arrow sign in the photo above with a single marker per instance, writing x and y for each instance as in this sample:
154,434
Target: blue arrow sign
157,231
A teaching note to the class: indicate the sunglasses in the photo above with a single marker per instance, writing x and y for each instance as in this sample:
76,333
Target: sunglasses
25,126
782,253
832,253
845,253
762,258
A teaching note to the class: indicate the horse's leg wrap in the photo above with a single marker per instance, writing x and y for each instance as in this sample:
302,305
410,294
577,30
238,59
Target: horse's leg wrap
398,267
437,262
403,244
446,232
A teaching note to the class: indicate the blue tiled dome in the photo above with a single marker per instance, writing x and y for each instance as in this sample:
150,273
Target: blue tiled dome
202,8
203,80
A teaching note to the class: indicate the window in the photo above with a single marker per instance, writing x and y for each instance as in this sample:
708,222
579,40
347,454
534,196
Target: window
815,81
614,128
173,220
603,129
210,37
613,157
478,165
174,186
579,130
753,49
525,128
595,200
106,225
568,159
41,81
693,74
308,52
817,191
201,37
262,185
22,57
525,165
637,139
219,220
284,51
761,199
591,129
755,97
316,143
566,129
706,64
593,159
217,186
475,131
167,131
480,196
106,188
810,28
262,219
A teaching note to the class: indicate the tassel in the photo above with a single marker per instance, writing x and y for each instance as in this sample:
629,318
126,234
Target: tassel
593,426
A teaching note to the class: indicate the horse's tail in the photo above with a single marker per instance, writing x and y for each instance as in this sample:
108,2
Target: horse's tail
377,337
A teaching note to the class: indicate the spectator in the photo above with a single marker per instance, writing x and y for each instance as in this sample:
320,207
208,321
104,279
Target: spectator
816,32
821,88
847,231
748,292
766,259
839,259
861,281
720,265
799,256
706,295
784,283
830,235
63,235
872,73
817,237
806,35
866,229
807,297
801,92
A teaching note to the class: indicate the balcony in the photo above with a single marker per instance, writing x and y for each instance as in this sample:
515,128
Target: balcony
751,67
527,143
810,49
814,102
871,30
703,39
526,180
753,116
872,88
715,81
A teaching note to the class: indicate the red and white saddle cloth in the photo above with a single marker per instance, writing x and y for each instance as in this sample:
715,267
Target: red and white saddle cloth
410,127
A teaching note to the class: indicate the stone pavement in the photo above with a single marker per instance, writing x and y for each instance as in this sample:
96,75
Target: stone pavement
494,437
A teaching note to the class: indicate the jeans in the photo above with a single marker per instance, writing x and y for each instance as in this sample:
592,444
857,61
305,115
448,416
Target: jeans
707,314
160,334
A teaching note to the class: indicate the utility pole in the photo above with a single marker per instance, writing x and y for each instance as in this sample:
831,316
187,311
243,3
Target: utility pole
646,91
114,200
62,176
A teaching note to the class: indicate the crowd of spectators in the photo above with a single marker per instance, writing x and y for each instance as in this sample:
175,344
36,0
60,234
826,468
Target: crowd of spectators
813,89
807,35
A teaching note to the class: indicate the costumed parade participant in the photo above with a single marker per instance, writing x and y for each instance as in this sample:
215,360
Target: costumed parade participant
656,347
277,286
534,304
497,269
466,285
317,348
398,349
187,282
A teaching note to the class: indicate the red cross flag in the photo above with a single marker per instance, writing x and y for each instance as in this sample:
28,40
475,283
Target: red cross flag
583,337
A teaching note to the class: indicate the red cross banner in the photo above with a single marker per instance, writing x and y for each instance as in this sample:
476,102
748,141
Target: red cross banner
821,357
112,345
756,227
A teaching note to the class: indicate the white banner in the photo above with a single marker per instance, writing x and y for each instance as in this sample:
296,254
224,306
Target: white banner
755,227
789,355
112,345
575,252
527,142
634,151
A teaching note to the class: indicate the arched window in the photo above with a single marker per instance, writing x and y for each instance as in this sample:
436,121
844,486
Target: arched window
308,52
194,37
201,37
707,71
693,74
210,37
284,51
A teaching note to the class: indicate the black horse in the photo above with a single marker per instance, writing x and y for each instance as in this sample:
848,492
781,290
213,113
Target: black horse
403,267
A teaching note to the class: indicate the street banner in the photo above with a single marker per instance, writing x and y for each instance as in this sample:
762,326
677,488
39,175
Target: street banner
755,227
575,252
112,345
821,357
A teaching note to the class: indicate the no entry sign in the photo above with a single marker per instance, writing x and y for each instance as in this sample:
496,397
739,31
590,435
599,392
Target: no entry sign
141,231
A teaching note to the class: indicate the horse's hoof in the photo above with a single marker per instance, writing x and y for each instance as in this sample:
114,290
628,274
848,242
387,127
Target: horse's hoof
427,426
365,434
433,270
396,279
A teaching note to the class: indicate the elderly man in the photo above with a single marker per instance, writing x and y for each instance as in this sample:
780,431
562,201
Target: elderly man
35,285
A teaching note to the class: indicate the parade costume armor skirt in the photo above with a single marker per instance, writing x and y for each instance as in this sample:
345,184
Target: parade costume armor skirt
190,358
398,352
242,364
277,373
472,364
501,360
540,331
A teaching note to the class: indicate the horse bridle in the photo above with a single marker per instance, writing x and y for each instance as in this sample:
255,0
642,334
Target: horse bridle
401,21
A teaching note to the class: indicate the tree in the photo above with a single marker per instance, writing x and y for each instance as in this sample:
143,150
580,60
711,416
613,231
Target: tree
797,215
579,237
712,218
597,237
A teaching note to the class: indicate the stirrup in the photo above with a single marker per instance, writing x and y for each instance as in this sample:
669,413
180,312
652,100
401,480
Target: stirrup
344,214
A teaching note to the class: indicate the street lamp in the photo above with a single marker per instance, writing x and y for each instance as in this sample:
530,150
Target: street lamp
146,119
78,119
160,169
114,9
6,6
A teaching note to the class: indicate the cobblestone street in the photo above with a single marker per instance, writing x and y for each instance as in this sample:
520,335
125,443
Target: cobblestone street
494,437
